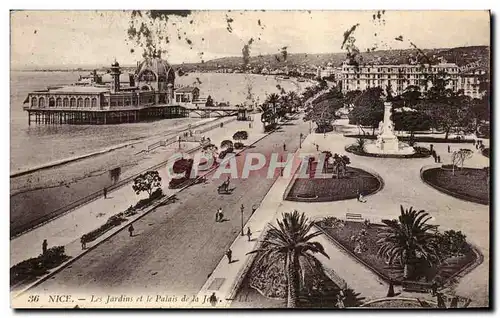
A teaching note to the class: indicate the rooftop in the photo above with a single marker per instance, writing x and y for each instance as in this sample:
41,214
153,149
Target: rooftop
79,89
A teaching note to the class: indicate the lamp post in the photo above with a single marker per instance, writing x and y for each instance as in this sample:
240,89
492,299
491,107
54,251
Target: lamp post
300,140
241,209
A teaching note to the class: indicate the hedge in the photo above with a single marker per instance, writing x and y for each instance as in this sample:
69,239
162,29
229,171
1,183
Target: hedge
113,221
34,267
420,152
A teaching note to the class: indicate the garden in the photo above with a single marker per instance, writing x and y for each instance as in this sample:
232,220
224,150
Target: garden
431,256
464,183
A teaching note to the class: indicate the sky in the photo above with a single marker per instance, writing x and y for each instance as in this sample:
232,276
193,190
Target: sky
70,38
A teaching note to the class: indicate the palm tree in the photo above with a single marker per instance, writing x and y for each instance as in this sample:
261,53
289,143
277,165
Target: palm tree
273,99
408,239
290,241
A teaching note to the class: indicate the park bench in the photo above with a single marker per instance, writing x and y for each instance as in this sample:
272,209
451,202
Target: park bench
353,217
419,287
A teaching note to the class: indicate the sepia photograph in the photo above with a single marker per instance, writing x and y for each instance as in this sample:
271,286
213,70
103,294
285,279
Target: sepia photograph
222,159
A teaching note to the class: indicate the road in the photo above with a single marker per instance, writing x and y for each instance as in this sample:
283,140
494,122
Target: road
177,246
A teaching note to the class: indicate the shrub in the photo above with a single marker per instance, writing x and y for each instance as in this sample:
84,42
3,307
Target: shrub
113,221
37,266
226,144
240,135
238,145
452,244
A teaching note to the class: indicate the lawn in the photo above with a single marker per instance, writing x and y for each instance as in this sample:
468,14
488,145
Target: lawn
467,183
346,236
333,189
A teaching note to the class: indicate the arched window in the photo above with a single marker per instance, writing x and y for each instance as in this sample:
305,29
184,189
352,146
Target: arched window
59,102
34,101
73,102
52,102
65,102
87,102
127,101
41,102
79,102
94,102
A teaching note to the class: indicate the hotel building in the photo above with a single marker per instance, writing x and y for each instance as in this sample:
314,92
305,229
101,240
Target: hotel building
399,77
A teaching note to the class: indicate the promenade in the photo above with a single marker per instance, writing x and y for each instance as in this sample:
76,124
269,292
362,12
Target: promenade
68,229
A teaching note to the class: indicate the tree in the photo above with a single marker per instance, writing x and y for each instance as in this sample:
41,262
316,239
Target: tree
459,156
368,109
240,135
340,165
411,95
210,102
147,182
408,239
273,99
323,114
291,241
411,121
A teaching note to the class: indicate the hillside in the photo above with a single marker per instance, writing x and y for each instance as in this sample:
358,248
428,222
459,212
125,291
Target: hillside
460,55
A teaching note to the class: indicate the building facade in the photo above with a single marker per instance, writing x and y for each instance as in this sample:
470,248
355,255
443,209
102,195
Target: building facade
399,77
148,92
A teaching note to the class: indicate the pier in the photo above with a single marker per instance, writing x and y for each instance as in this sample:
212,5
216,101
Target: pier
54,116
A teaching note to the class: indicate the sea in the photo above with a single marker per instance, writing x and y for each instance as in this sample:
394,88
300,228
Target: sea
39,144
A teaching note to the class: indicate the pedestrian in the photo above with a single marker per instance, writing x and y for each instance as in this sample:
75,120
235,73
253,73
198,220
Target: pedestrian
229,255
449,149
284,147
434,288
44,247
361,198
131,230
439,159
83,242
249,234
317,147
213,299
105,191
218,215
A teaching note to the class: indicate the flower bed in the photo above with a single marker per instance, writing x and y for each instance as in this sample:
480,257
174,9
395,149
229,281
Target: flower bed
333,189
420,152
360,241
32,268
467,184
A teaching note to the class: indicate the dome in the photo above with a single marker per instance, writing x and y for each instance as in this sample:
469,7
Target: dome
155,69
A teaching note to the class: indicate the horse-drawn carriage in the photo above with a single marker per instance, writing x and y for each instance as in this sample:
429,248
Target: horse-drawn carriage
224,187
